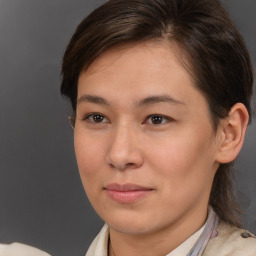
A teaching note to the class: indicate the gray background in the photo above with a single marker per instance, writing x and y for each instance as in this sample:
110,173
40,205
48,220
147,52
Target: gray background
42,202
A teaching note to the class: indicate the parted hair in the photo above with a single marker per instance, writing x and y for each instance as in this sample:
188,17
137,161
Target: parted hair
212,50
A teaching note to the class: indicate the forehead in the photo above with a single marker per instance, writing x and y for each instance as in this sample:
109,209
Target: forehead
150,54
133,64
151,65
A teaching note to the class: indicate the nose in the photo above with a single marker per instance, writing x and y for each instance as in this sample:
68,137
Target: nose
124,151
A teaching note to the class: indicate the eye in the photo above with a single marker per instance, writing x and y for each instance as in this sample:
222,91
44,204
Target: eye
95,118
157,119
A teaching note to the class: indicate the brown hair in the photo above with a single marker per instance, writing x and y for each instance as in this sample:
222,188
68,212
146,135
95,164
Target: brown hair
214,50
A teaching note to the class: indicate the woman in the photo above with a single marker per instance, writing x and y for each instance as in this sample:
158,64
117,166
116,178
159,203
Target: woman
160,91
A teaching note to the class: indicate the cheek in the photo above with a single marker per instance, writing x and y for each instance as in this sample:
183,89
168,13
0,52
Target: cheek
184,159
183,173
89,155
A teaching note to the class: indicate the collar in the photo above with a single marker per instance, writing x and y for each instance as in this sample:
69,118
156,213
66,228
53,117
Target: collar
195,243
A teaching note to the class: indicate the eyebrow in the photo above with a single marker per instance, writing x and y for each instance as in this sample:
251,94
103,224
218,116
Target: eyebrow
145,101
93,99
159,99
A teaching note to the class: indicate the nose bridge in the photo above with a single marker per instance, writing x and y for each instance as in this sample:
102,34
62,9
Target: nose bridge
124,150
121,134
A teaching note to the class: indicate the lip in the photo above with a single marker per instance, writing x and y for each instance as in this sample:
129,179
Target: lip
126,193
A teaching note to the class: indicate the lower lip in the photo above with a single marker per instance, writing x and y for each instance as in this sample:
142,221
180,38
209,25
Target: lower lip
126,197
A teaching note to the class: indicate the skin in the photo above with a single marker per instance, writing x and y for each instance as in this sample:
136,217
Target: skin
176,158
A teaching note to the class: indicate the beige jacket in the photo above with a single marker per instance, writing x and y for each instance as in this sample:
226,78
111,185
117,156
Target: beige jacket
231,241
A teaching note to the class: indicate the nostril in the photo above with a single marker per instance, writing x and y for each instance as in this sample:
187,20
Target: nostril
112,165
130,165
122,166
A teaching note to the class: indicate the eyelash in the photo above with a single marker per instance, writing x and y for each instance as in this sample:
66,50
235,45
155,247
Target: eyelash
91,115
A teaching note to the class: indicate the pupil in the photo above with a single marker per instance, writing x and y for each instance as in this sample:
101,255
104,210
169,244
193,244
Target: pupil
97,118
156,119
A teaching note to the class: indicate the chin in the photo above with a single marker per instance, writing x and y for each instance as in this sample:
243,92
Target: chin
133,225
131,229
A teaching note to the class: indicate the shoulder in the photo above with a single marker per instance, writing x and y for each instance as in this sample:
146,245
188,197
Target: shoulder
231,241
21,250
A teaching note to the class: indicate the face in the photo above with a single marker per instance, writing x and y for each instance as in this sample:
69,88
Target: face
144,141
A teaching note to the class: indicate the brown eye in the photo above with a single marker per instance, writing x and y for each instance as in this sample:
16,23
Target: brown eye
97,118
156,119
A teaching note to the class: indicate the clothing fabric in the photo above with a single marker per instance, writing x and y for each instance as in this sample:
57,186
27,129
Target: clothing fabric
18,249
230,241
209,232
186,246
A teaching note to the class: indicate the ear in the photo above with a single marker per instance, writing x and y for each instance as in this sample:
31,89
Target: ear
231,133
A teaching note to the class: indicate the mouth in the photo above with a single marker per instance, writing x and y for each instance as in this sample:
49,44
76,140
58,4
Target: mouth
127,193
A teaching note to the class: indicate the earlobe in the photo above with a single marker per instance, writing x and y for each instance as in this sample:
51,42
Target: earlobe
232,133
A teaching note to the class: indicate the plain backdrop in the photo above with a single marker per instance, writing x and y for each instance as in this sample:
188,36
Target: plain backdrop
42,202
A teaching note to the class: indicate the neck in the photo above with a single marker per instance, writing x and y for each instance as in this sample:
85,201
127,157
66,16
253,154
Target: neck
164,240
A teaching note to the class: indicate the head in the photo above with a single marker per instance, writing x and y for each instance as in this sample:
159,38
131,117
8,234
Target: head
202,41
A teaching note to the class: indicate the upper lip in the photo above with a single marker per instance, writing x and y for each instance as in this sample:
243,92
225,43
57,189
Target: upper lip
126,187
